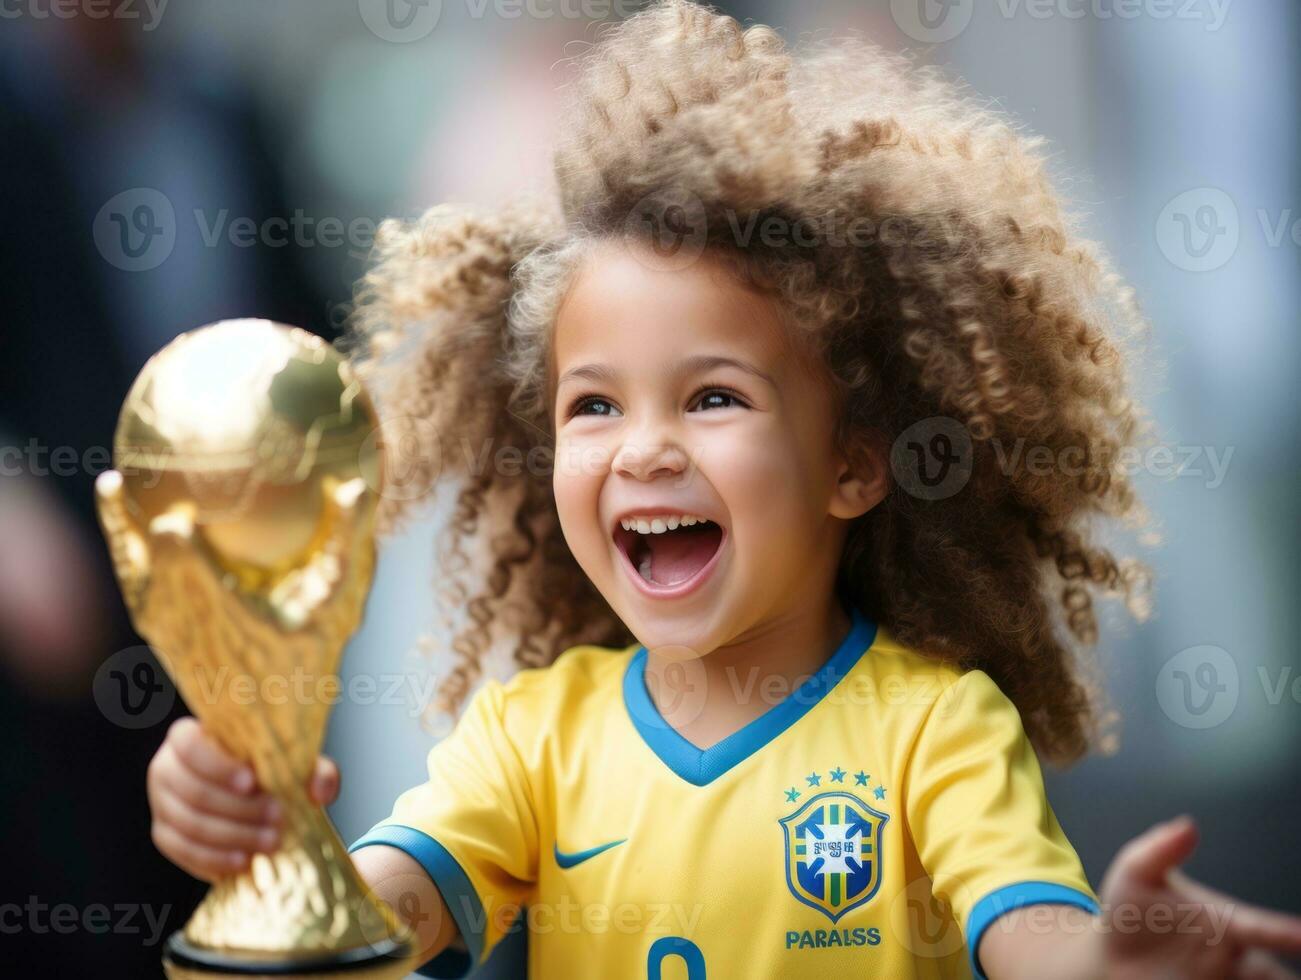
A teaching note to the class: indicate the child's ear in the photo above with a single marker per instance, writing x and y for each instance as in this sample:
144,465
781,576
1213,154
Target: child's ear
862,476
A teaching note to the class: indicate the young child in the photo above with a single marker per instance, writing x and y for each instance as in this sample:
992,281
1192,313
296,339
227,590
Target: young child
810,619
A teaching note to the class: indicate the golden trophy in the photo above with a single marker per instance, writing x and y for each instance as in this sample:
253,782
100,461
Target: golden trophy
240,518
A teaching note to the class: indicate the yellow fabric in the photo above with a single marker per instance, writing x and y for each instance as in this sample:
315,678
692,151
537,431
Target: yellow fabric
552,761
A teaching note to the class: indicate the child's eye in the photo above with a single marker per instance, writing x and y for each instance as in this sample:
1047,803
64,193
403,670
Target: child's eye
708,398
592,405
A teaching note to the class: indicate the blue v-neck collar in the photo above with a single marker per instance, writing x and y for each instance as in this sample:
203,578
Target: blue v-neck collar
700,766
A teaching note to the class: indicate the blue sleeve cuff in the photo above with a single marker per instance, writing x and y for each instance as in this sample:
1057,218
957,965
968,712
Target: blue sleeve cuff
452,883
1003,900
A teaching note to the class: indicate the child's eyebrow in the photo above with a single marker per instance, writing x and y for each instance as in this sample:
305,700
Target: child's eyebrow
592,372
707,362
695,364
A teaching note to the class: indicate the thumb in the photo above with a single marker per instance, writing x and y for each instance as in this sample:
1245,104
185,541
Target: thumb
324,787
1162,849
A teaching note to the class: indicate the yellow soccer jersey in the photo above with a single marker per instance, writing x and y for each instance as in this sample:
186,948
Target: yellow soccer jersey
873,822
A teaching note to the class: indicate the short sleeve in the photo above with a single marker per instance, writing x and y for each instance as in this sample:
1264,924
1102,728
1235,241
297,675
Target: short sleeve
472,827
979,816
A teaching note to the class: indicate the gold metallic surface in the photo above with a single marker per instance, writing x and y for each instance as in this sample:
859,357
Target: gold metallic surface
385,971
241,524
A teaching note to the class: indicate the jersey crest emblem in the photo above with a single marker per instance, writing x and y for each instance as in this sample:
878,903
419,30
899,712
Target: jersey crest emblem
833,852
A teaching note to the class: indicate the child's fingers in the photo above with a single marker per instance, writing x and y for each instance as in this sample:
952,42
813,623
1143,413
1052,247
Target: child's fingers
1249,925
1252,925
205,757
1256,965
325,781
1150,856
217,833
199,860
172,777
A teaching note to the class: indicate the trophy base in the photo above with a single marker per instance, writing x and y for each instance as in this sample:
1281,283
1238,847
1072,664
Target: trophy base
392,958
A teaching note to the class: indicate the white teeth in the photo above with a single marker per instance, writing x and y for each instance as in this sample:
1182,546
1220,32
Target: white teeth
661,523
644,569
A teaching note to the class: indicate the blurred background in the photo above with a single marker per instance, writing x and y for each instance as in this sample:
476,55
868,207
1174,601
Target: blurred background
167,165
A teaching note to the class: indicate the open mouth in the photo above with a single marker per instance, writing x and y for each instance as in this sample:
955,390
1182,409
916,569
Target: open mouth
668,551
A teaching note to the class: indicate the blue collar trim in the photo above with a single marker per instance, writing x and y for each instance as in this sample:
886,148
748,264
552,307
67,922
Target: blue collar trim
700,766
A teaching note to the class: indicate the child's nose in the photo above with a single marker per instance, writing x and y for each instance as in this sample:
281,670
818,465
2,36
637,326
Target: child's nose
643,461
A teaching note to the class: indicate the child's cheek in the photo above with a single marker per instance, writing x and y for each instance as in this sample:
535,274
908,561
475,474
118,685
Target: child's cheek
573,464
576,483
762,483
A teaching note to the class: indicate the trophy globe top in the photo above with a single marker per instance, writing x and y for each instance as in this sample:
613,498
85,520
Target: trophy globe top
246,422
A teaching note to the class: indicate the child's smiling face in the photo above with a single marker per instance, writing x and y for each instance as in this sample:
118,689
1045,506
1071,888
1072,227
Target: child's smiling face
679,393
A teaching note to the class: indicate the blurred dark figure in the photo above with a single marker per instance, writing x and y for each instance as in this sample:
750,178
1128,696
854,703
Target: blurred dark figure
90,110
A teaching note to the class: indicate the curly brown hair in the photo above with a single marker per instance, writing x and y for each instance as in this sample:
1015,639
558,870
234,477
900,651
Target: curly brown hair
971,297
